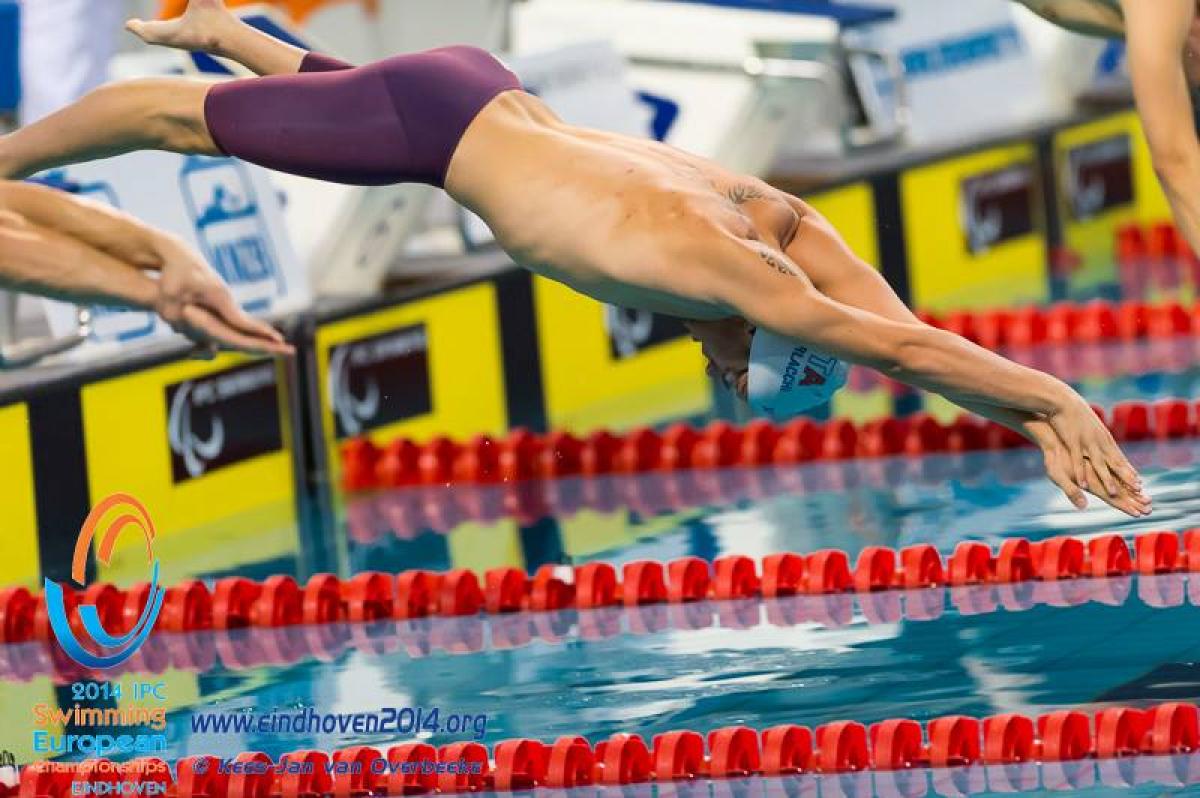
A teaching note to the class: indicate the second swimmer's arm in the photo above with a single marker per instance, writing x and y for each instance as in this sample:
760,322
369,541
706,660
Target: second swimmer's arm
59,245
1156,34
45,262
106,229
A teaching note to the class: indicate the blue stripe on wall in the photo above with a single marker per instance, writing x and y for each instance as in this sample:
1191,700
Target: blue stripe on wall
10,74
991,44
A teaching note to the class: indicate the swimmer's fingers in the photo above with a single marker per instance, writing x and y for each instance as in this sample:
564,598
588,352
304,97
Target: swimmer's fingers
1131,499
1118,463
222,303
1127,500
1109,467
1059,470
1088,440
205,322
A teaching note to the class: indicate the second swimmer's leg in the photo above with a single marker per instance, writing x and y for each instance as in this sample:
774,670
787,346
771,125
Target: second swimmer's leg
149,114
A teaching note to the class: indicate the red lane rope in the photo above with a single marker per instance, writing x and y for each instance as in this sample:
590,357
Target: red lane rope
524,455
409,512
1092,322
240,649
730,752
279,601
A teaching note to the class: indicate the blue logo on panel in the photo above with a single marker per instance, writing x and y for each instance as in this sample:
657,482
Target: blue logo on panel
230,227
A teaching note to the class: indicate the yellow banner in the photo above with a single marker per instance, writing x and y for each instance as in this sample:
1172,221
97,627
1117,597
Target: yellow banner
1105,179
607,368
445,348
974,230
205,446
19,565
851,211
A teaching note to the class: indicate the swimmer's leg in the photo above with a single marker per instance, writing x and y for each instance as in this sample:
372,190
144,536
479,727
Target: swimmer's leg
208,26
148,114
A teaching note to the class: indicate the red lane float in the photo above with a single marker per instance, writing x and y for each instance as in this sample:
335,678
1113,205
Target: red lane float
602,616
372,596
726,753
523,455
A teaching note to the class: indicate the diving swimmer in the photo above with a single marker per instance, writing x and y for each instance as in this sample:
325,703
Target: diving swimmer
1162,39
61,246
628,221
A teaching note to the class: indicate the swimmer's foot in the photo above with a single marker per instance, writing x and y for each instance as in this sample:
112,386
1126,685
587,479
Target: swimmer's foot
201,28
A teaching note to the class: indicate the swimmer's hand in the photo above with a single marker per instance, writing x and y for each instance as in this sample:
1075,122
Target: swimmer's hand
1080,455
199,29
194,301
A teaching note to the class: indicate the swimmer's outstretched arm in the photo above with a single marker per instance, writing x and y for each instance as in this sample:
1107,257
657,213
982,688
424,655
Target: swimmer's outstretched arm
1157,37
42,261
54,244
762,285
844,277
208,26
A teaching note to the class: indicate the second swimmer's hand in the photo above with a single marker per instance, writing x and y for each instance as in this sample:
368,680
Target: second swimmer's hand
195,302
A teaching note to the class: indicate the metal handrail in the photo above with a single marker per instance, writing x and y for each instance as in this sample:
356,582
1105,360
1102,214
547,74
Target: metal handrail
751,66
21,354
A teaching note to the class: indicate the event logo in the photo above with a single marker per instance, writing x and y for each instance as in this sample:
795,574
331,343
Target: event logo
116,648
195,450
351,410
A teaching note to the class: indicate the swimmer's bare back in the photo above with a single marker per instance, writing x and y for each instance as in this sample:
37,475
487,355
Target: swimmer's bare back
621,219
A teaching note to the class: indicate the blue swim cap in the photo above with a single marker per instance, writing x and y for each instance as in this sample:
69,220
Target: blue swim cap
787,378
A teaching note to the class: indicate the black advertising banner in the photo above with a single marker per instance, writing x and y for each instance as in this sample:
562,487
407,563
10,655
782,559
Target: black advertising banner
1098,176
379,380
222,419
997,206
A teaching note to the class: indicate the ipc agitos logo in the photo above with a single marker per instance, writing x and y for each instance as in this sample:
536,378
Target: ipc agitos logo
118,512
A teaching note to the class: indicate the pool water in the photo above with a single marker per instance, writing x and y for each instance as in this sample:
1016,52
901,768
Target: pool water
808,660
